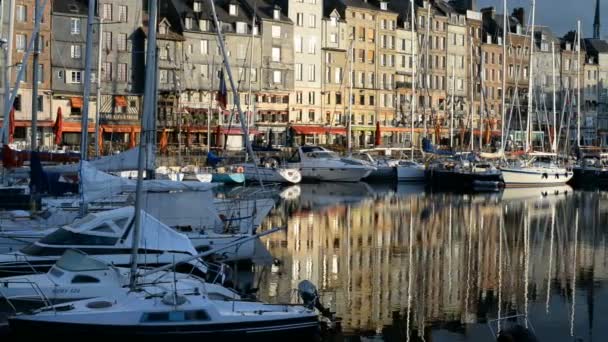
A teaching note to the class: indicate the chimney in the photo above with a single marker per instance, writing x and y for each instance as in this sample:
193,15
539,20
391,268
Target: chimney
520,14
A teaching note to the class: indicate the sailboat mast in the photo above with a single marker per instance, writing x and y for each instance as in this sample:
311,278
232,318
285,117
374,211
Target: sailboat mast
482,75
236,96
148,115
578,83
427,40
84,144
36,35
530,80
504,76
414,76
8,59
98,138
349,134
471,78
250,113
554,142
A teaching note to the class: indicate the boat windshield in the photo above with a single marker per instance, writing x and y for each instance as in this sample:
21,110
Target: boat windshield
77,262
65,237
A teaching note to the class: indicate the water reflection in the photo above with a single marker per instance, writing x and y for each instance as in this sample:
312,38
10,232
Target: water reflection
409,265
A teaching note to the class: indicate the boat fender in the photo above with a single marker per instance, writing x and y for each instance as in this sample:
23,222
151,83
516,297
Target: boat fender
545,176
240,169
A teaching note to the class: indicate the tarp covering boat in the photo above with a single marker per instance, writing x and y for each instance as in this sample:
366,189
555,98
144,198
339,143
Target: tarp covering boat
428,147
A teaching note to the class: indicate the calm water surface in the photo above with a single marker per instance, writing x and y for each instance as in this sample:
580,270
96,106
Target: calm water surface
397,263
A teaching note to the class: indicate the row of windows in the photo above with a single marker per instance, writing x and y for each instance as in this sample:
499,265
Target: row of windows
299,74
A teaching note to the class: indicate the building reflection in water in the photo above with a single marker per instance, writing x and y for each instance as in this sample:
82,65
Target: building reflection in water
410,265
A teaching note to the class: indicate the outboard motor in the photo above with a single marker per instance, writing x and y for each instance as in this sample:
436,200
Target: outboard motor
310,296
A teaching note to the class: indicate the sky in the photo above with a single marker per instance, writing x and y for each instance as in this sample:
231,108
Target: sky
560,15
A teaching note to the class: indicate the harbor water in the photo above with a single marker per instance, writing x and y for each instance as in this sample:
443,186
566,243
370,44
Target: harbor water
397,263
401,263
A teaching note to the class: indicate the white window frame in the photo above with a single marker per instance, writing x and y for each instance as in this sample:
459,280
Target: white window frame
276,76
276,31
75,25
276,54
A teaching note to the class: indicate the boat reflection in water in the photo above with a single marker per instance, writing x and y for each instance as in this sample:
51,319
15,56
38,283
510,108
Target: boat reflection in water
408,265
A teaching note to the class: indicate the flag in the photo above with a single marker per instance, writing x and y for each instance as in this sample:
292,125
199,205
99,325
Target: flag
58,127
222,94
11,126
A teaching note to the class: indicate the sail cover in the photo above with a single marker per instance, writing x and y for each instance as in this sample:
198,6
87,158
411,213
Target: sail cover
124,161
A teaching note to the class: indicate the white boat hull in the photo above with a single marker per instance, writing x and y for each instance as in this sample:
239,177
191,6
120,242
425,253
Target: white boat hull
272,175
535,176
330,174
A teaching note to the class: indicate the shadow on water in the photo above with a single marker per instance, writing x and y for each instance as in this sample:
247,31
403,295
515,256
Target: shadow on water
397,263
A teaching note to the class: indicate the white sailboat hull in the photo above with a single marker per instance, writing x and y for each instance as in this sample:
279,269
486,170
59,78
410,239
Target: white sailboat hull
331,174
272,175
535,176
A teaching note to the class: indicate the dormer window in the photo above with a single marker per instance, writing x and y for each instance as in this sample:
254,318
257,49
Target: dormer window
198,6
333,21
568,47
241,27
489,39
518,29
383,5
162,29
232,9
188,23
203,25
276,14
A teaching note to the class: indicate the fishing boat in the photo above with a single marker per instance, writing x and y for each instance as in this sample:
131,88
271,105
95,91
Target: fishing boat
317,163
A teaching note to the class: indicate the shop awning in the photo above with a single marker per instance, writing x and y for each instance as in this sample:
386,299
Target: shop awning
74,127
76,102
236,131
120,101
311,130
120,128
28,123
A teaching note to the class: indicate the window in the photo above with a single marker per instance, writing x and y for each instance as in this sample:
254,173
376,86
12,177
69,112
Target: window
311,72
276,76
338,75
241,27
333,38
197,6
298,44
232,9
84,279
203,25
204,47
371,100
254,75
188,23
311,97
106,71
299,97
311,115
276,54
298,70
276,31
107,12
20,41
122,13
312,20
75,26
21,13
122,72
338,98
122,42
300,19
107,40
18,69
40,72
204,70
333,21
276,14
362,100
312,45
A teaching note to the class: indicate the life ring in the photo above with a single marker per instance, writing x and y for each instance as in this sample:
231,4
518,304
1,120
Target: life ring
240,169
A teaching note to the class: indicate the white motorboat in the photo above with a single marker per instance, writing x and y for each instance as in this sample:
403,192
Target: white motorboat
159,312
410,171
108,237
384,166
320,164
535,174
269,173
77,276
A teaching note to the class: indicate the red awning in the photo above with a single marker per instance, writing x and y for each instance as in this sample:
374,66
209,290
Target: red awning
76,102
236,131
74,127
308,130
120,101
28,123
120,128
